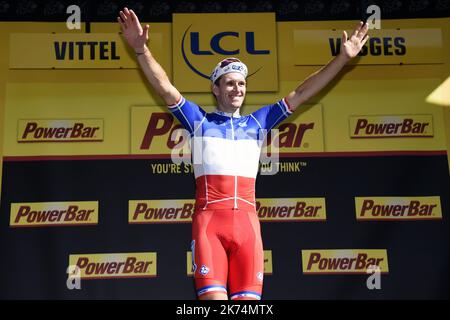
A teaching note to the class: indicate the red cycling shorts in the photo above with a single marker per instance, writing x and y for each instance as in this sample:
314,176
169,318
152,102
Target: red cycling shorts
227,253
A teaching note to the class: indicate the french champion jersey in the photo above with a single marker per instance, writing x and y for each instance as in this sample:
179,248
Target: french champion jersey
226,150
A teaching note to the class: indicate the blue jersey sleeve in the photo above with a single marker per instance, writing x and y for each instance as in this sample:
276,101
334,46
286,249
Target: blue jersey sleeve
188,113
269,116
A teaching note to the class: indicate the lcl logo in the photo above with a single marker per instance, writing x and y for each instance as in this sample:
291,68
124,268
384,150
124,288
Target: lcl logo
216,48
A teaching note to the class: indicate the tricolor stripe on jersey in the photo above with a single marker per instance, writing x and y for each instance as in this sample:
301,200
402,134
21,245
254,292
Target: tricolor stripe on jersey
226,150
209,289
245,294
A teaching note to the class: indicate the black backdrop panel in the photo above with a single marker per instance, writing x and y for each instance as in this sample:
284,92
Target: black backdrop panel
34,259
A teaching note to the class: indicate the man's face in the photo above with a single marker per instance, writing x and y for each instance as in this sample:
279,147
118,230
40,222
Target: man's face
230,92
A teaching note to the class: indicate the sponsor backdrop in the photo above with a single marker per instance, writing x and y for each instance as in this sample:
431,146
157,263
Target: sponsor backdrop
97,182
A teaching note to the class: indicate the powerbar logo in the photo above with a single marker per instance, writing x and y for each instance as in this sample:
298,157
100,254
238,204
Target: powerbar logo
160,211
79,130
398,208
268,266
159,133
296,209
268,269
42,214
163,126
114,265
176,211
350,261
391,126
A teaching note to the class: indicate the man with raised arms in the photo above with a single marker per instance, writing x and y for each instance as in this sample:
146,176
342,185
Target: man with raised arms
226,243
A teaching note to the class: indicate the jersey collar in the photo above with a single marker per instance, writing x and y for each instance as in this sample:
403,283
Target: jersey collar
226,114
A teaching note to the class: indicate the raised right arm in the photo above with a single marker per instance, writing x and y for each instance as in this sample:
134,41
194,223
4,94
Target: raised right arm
137,37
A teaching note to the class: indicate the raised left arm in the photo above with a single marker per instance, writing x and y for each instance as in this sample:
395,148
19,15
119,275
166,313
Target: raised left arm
350,47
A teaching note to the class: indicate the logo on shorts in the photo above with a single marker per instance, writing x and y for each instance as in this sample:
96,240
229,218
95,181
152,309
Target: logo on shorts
204,270
260,276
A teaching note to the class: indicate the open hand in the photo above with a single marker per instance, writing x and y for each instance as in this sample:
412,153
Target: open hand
134,34
350,47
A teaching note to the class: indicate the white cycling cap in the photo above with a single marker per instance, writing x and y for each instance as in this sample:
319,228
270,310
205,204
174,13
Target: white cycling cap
229,65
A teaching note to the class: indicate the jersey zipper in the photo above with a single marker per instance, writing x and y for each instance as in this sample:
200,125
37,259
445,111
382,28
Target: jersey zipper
235,176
